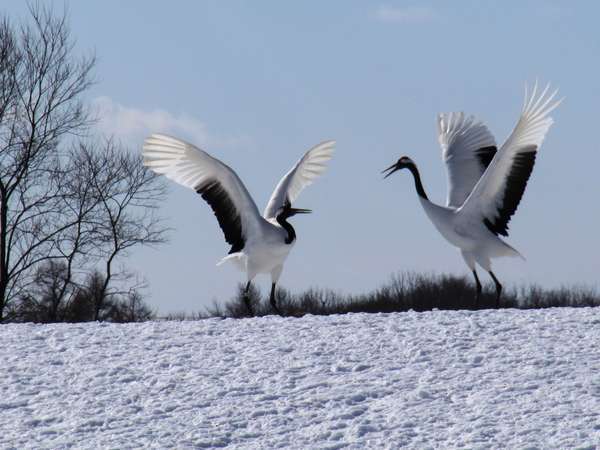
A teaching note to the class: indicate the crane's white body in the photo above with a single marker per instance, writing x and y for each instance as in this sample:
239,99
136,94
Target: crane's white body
264,252
475,241
258,241
485,184
480,192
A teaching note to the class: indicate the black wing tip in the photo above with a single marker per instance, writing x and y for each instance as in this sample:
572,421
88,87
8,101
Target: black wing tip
486,154
226,213
516,182
496,228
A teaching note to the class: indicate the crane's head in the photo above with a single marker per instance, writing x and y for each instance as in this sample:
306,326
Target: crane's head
287,211
403,163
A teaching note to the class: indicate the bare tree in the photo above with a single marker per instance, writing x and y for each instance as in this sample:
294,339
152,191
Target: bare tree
128,196
41,87
132,309
43,302
66,216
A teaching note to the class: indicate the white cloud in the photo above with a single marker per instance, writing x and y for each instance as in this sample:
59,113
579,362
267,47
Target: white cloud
133,125
409,14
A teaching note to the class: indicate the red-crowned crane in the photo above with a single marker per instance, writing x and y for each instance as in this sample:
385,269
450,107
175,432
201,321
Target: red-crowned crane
485,185
259,244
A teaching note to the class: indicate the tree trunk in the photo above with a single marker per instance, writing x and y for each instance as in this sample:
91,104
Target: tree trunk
3,253
103,291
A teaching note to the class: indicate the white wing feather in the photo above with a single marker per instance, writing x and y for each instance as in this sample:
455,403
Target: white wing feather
304,172
497,194
194,168
466,143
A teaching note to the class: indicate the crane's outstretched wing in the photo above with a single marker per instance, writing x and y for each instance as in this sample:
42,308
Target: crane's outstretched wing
468,147
304,172
217,183
496,196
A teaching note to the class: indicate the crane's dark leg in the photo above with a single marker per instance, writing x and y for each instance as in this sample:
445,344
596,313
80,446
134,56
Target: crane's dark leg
273,300
498,289
247,299
478,285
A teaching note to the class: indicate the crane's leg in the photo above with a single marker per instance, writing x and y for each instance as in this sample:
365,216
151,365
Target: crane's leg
273,300
498,289
247,299
469,258
275,274
478,286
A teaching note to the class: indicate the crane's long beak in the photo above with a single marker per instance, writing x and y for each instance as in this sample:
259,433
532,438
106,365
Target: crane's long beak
300,211
393,168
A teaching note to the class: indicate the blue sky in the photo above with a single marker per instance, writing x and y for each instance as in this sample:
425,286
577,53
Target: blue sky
258,83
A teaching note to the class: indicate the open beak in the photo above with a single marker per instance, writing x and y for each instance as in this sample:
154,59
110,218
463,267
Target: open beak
390,170
300,211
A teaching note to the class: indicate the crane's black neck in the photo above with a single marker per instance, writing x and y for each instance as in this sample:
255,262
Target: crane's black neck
418,185
282,220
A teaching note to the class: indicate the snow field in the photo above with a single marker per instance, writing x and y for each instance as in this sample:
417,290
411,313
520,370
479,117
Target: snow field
489,379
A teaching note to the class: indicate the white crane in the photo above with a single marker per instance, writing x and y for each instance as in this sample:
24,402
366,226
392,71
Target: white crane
259,244
485,185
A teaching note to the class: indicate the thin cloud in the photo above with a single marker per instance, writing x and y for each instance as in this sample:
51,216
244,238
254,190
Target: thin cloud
409,14
133,125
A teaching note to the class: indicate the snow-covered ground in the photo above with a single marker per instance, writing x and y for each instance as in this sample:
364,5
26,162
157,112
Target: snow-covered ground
490,379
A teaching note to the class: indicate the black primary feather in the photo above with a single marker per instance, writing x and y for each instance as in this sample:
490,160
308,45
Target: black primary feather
226,213
516,181
485,155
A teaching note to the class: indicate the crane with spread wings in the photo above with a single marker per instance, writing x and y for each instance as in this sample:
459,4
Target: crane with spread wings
259,243
485,184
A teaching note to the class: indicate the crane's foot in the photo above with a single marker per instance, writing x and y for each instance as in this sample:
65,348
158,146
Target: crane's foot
274,301
247,300
498,289
478,290
275,307
248,306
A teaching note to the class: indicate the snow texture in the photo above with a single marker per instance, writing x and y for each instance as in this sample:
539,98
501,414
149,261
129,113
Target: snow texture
490,379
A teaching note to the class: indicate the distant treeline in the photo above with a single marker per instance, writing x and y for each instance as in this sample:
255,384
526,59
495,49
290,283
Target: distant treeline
404,292
48,300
